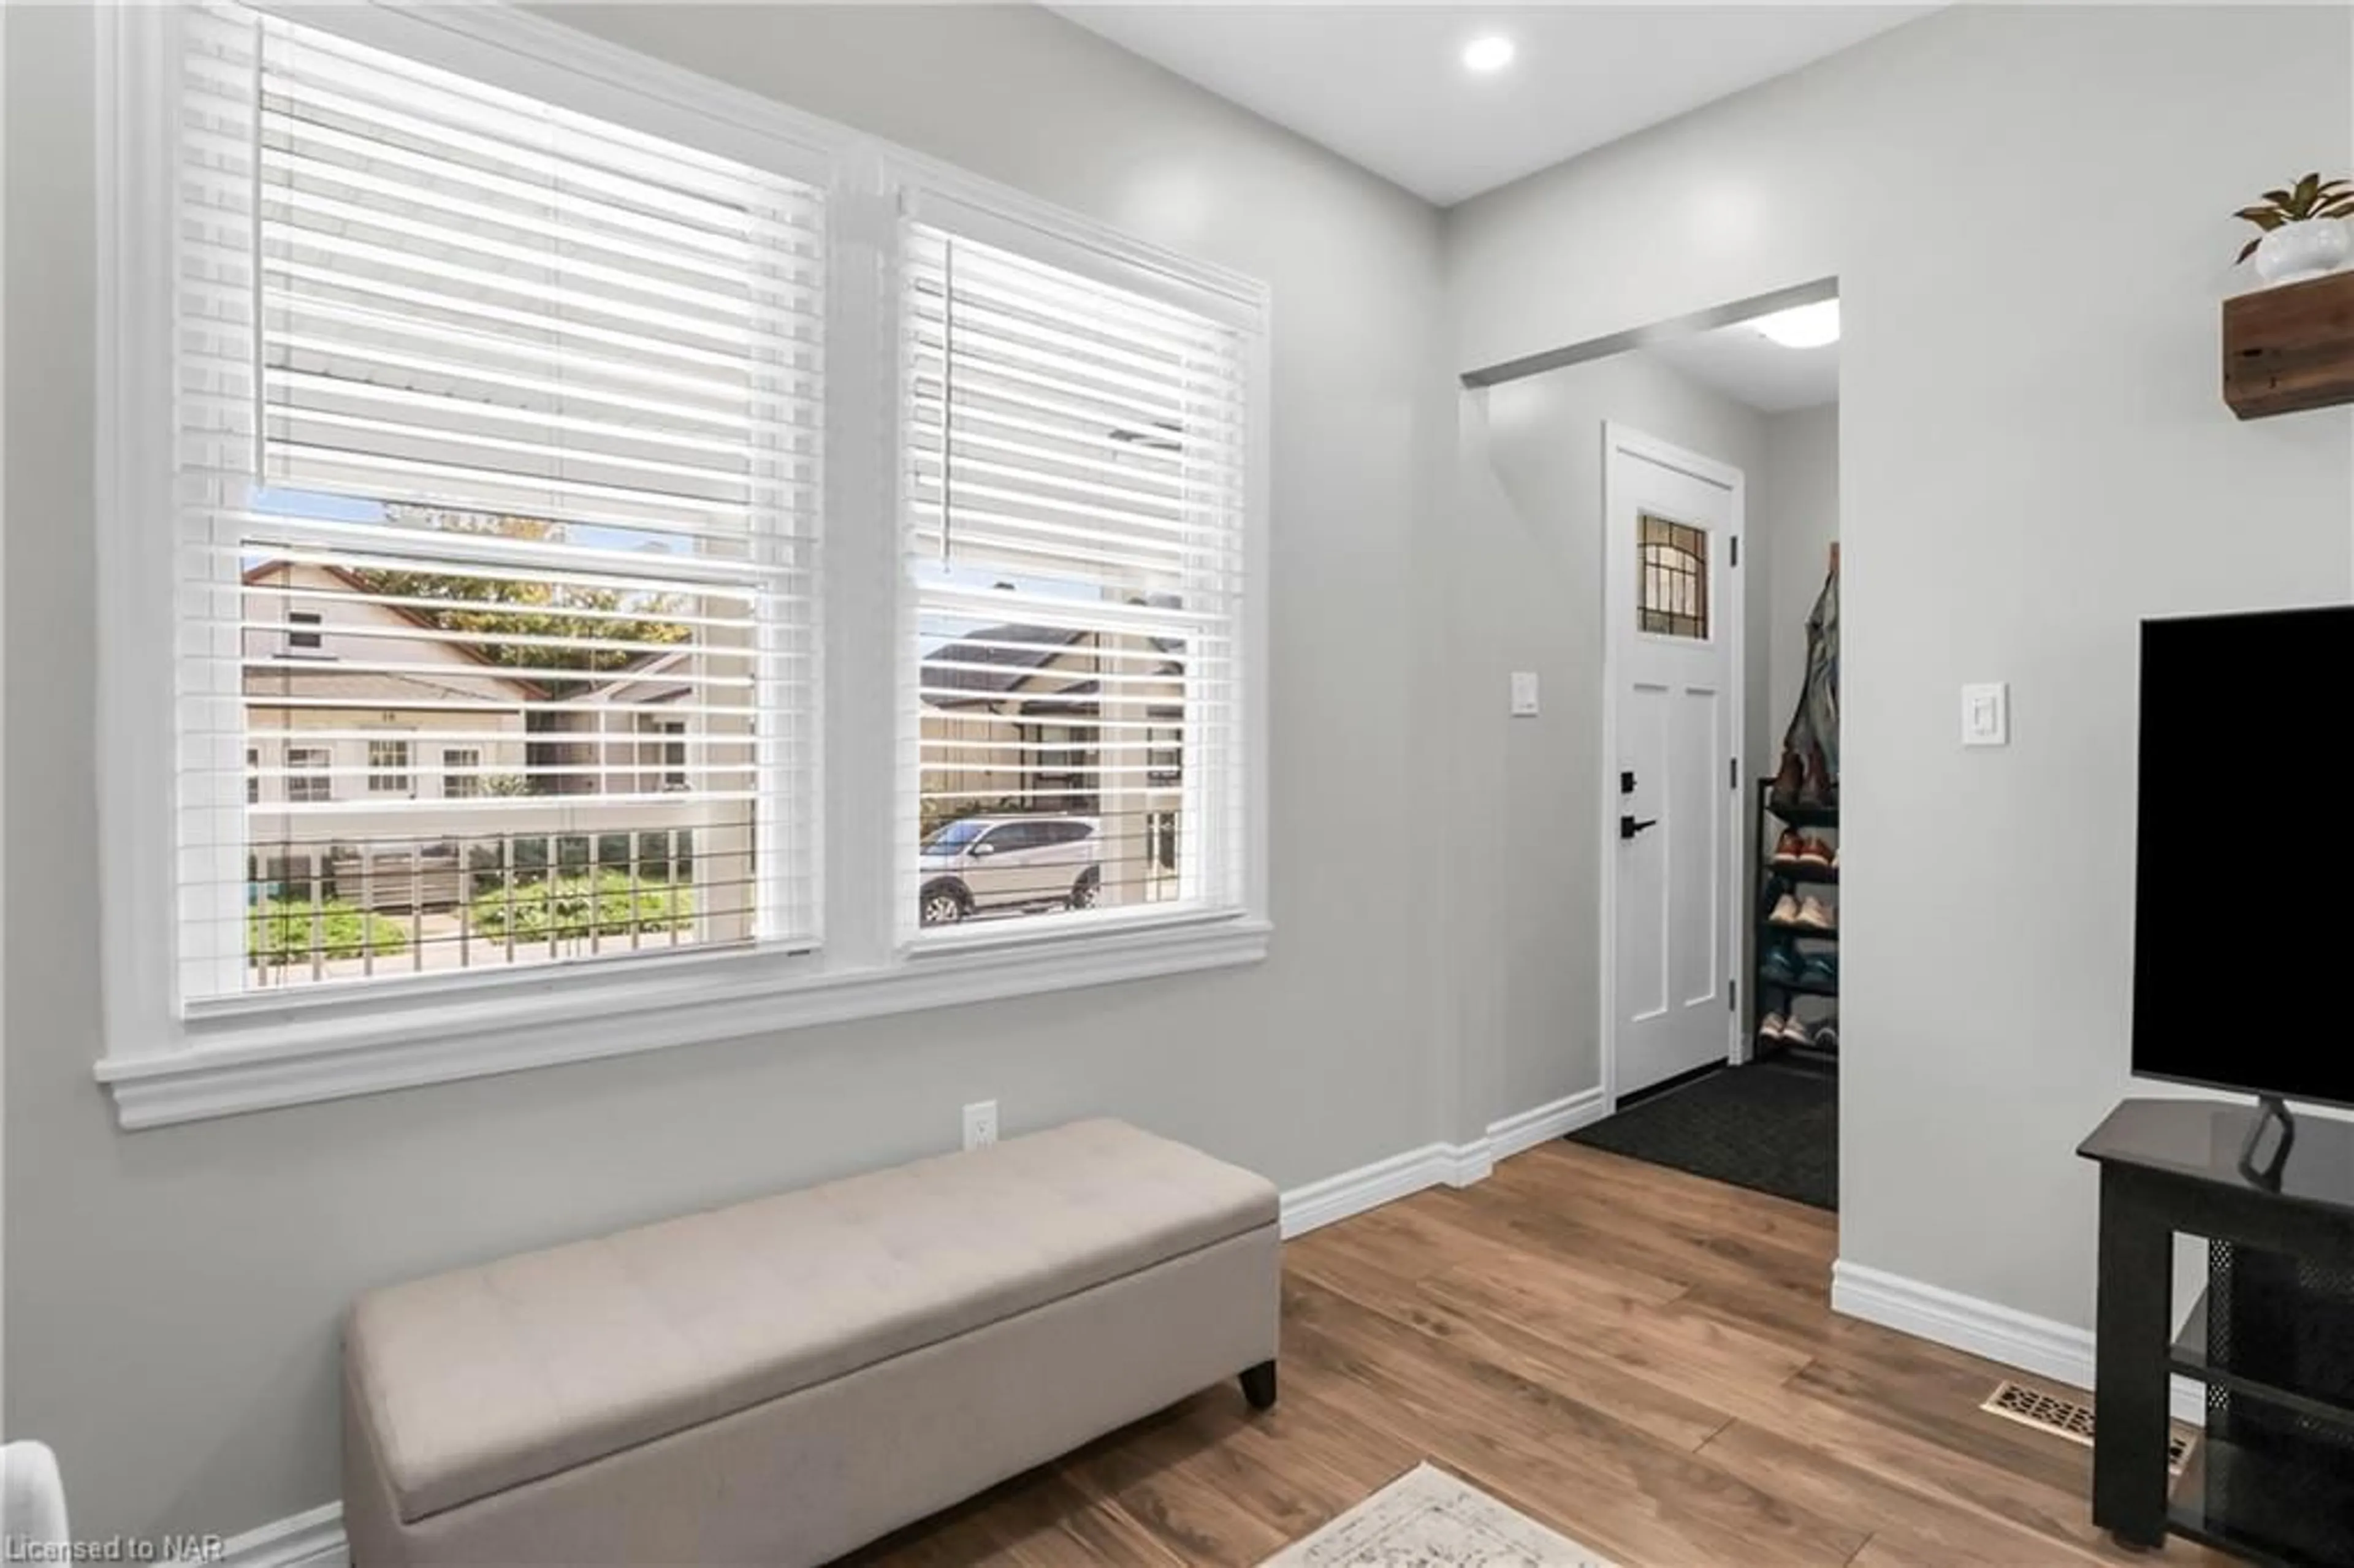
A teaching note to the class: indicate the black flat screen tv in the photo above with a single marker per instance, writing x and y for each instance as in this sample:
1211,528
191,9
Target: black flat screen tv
2243,905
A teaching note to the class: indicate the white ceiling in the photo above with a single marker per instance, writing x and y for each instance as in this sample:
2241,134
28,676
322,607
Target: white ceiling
1744,364
1384,85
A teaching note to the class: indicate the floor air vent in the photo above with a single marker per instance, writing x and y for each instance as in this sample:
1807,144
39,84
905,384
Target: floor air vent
2063,1417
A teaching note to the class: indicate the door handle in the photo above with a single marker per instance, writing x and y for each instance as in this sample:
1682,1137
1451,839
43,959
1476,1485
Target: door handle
1628,826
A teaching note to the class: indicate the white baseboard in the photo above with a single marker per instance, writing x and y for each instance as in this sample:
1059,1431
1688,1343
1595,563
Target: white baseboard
1530,1127
2044,1346
315,1539
1351,1192
311,1540
1434,1164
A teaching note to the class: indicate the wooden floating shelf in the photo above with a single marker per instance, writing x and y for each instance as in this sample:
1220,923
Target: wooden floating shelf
2290,348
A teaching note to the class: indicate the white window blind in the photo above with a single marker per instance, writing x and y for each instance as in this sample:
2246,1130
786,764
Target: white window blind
498,427
1073,458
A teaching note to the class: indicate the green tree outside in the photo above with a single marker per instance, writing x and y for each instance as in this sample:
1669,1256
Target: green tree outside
493,611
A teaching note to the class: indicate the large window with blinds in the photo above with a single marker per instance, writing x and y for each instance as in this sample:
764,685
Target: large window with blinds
499,431
1073,463
598,560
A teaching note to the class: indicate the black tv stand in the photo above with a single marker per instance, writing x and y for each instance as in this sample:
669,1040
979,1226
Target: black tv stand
2272,1480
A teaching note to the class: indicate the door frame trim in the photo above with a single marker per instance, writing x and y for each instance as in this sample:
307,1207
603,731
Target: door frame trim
1620,438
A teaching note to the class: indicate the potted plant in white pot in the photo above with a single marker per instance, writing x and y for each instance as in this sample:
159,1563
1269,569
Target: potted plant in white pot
2304,230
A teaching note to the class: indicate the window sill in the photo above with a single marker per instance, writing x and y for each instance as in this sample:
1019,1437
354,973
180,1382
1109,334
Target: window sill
1051,932
291,1057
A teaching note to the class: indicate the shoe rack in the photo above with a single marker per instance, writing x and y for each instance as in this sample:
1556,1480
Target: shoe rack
1814,997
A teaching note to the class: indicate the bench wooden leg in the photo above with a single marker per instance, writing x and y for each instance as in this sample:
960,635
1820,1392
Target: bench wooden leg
1258,1385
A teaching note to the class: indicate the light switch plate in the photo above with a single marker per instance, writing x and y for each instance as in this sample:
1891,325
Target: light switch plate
1524,693
1986,714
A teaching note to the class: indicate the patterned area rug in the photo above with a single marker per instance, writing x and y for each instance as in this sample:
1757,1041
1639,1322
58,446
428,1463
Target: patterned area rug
1428,1518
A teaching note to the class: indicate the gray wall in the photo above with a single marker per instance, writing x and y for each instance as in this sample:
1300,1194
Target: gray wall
173,1294
1528,567
2033,456
1792,537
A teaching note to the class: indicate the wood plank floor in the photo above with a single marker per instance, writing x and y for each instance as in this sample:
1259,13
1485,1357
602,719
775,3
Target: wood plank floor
1644,1359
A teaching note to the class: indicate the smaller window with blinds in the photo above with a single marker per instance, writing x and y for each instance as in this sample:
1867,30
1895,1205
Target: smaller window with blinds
1671,582
1074,456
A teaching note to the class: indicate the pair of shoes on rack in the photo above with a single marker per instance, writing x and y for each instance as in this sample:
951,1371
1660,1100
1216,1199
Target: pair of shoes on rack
1783,964
1790,1029
1793,912
1795,849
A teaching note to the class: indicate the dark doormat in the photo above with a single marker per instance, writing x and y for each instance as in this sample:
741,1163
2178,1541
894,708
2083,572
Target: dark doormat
1772,1127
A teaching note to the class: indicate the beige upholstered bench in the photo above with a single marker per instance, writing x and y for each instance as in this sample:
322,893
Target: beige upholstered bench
781,1380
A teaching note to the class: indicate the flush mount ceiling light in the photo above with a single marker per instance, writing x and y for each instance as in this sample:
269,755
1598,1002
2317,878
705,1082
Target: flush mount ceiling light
1491,52
1806,326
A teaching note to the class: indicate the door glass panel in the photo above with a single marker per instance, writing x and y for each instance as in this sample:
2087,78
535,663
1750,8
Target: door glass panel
1672,579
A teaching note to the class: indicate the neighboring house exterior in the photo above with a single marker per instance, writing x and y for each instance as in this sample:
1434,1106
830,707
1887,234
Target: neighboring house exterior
359,713
440,724
1013,714
605,726
348,668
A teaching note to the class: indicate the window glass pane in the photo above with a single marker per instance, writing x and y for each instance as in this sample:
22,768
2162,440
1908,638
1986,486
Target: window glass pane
461,770
1672,579
308,780
1165,757
1074,468
389,767
549,700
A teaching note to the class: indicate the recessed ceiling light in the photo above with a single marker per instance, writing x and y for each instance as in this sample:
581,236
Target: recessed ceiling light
1806,326
1492,52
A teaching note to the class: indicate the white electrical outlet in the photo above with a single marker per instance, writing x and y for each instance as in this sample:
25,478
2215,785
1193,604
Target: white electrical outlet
1524,693
980,1123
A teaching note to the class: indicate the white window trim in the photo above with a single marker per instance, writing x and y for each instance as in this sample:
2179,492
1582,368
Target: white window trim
274,1049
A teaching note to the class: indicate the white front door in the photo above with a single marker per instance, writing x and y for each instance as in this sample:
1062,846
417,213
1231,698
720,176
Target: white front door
1673,522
